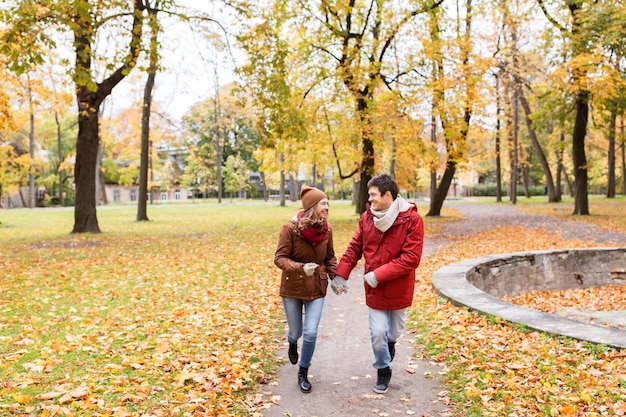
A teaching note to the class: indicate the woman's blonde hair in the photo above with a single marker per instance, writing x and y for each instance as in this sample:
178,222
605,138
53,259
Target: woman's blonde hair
310,218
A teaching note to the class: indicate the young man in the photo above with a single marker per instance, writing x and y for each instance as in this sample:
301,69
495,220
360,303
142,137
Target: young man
390,236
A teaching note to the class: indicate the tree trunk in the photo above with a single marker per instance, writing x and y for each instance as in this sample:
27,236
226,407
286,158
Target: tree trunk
442,191
552,195
581,201
281,192
293,188
21,192
448,175
101,187
526,178
90,95
218,165
142,202
144,163
610,190
513,150
264,186
559,168
367,155
217,138
85,219
498,156
392,164
60,156
31,173
433,139
623,155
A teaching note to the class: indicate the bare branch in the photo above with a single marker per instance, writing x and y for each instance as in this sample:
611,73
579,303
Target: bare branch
550,17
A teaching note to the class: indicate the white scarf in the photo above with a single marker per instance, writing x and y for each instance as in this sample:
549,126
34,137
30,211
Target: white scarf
384,219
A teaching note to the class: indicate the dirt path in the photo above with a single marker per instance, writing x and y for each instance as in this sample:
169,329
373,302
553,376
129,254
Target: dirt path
341,372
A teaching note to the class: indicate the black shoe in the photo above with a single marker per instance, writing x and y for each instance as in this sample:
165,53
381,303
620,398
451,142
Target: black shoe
303,380
392,349
293,352
382,382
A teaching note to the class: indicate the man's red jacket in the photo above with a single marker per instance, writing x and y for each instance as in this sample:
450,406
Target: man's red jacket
393,256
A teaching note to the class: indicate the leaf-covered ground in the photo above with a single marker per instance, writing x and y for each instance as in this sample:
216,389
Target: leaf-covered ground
173,317
499,369
180,317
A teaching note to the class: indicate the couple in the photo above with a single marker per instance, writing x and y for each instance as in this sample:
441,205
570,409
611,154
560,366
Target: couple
390,237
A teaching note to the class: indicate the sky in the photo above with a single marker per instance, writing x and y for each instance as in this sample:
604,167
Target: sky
192,66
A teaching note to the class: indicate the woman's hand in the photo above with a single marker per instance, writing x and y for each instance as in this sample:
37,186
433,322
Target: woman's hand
339,285
309,268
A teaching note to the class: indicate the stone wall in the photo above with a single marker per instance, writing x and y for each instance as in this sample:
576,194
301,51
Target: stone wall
550,270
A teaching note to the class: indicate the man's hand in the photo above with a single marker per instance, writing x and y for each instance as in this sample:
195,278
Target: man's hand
371,280
339,285
309,268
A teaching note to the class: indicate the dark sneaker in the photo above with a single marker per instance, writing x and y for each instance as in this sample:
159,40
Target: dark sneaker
382,382
293,353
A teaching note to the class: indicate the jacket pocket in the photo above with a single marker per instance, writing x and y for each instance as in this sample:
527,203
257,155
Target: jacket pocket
322,281
397,288
293,284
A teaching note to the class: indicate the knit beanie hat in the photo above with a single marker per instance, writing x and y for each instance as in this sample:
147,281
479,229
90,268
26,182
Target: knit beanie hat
311,196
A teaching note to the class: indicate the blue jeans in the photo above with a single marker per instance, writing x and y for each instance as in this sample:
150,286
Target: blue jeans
304,326
385,326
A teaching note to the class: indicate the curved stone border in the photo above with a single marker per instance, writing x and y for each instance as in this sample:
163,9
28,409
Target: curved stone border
452,282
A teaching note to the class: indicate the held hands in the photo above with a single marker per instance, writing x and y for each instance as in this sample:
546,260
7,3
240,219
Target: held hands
371,280
309,268
339,285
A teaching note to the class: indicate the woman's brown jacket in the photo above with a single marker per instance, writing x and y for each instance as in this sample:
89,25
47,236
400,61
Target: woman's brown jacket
293,251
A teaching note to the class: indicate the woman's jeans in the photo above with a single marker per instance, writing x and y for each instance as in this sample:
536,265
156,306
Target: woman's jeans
385,326
304,326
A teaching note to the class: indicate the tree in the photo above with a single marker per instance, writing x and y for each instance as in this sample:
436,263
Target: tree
58,102
29,96
6,118
28,35
552,195
9,174
355,49
153,59
218,128
579,43
362,41
610,91
455,117
235,174
279,118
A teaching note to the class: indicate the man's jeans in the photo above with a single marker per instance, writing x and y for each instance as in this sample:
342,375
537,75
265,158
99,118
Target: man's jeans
385,326
305,327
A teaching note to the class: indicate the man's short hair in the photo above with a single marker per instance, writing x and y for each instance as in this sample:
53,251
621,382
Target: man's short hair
384,183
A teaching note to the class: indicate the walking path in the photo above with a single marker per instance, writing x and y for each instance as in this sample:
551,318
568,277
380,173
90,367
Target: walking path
341,372
342,375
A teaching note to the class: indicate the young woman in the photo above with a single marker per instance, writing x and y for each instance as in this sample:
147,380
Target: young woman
307,259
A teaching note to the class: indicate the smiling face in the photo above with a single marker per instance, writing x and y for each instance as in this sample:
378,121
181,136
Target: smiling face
379,202
322,208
